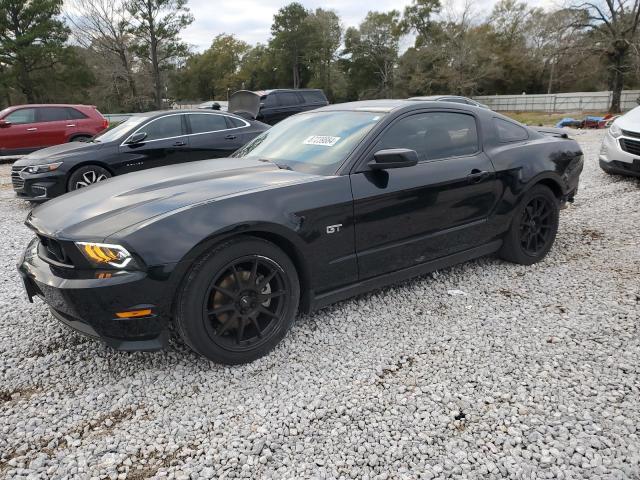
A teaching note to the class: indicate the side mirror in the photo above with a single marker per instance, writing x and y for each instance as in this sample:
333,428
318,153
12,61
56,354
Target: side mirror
137,138
4,124
393,158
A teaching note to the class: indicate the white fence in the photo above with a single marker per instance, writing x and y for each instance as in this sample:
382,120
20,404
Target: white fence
559,102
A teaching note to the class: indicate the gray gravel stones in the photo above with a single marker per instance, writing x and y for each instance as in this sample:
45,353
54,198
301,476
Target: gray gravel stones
534,373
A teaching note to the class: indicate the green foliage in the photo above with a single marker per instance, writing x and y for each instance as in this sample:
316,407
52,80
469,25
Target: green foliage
32,40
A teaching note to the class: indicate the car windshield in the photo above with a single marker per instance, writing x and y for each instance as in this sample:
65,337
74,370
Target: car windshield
315,142
120,130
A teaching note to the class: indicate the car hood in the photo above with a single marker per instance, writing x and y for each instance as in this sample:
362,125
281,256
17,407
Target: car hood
55,154
100,210
630,120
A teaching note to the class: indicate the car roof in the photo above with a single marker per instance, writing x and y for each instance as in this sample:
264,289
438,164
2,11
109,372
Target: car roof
38,105
267,92
158,113
439,97
387,106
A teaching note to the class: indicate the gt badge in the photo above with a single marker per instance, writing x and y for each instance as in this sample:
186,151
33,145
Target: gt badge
334,228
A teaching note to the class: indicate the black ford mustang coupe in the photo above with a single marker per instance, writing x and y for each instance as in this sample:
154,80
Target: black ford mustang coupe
323,206
145,140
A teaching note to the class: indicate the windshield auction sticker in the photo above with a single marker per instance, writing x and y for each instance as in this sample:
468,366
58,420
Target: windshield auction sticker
323,140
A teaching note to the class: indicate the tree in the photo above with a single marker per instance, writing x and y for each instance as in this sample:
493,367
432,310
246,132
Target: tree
290,37
31,39
156,25
372,51
212,73
325,38
613,27
102,27
418,18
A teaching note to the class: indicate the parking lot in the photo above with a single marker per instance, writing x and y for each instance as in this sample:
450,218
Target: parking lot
484,370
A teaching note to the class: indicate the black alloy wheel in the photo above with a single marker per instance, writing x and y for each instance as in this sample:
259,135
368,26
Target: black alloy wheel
244,302
238,300
536,225
533,228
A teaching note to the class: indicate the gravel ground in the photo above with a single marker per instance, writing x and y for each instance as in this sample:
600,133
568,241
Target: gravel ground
533,372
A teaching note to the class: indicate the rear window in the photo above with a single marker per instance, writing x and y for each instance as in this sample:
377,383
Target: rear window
235,122
510,132
52,114
73,114
288,98
313,97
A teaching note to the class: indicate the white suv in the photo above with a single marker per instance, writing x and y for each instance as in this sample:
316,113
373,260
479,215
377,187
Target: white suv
620,151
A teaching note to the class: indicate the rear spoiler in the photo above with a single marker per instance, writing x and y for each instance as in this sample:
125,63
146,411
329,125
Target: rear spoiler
552,132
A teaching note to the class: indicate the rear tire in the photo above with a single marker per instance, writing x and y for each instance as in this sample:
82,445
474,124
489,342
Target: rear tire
533,228
87,175
238,301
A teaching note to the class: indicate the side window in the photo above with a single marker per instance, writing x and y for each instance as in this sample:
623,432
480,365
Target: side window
287,99
313,97
202,123
52,114
510,132
73,114
433,135
270,100
235,122
165,127
22,116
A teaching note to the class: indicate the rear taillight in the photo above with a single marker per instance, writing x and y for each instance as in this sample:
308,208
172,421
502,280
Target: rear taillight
105,123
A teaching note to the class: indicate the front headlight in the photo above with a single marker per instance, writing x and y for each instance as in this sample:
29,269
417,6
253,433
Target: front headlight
47,167
101,254
615,130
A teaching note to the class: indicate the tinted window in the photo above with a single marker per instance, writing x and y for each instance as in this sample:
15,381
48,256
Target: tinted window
164,127
52,114
288,98
24,115
433,135
510,132
235,122
74,114
207,123
313,97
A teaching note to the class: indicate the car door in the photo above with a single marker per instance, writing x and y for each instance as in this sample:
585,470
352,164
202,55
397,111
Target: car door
53,125
212,135
21,131
165,143
408,216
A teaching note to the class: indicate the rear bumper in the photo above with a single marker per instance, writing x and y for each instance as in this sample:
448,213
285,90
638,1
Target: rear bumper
88,304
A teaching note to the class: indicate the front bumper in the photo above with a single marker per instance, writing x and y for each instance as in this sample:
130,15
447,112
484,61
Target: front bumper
38,187
613,159
87,301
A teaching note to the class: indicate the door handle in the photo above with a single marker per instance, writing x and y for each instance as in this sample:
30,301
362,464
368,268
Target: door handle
231,137
476,176
179,144
33,129
71,125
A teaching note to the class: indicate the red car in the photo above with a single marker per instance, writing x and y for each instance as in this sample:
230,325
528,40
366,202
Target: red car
25,128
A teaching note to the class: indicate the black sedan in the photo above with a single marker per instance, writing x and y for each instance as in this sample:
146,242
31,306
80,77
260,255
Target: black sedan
323,206
145,140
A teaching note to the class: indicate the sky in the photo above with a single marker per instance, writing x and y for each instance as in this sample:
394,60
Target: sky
250,20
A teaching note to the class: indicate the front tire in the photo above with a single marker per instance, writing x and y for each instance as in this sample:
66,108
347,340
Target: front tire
87,175
238,301
533,228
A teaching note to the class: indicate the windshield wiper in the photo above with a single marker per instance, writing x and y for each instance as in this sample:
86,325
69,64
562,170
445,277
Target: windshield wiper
281,166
